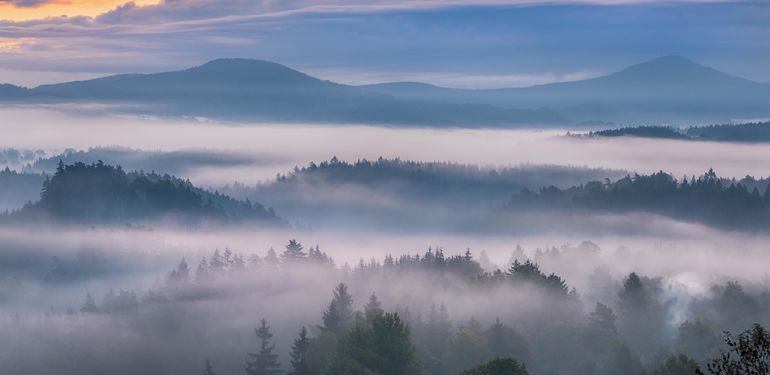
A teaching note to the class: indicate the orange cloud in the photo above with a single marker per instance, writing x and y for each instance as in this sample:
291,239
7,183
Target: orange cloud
31,10
7,45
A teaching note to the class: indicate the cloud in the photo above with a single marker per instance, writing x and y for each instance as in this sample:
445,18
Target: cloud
491,43
25,3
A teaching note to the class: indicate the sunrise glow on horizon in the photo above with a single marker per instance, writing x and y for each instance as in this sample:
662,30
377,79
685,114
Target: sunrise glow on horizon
10,11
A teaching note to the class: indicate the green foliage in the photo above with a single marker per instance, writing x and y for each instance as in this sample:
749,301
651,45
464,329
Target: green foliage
707,199
499,366
665,132
529,272
381,346
339,315
747,354
98,192
299,355
373,308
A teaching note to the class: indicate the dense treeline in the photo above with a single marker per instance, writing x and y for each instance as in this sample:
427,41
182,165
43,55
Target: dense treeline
430,181
401,195
750,132
707,199
547,328
664,132
99,192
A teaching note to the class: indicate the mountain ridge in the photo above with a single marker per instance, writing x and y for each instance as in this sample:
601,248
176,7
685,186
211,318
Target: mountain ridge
666,89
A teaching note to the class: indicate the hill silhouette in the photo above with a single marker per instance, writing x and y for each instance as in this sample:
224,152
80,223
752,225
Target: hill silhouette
100,193
669,88
663,90
254,90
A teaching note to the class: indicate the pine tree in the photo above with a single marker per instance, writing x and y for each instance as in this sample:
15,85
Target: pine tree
299,352
89,306
293,252
271,259
339,315
202,275
217,263
383,347
264,362
373,308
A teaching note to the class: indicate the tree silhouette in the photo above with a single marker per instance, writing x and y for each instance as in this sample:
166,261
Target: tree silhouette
293,252
383,347
339,315
373,308
299,355
747,354
263,362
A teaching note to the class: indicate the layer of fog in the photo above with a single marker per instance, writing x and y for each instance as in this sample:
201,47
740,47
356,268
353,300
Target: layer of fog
689,261
278,148
688,254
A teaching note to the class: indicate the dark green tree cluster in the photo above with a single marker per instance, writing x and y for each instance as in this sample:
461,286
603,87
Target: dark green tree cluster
708,199
664,132
750,132
102,193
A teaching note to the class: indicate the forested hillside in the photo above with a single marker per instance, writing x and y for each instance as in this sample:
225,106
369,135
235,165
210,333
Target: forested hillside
103,193
708,199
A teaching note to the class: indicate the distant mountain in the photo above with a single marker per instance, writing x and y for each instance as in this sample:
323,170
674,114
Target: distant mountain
253,90
12,92
100,193
667,89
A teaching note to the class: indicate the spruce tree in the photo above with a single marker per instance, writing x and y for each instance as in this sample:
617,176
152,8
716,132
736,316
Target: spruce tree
293,252
299,352
263,362
373,308
339,315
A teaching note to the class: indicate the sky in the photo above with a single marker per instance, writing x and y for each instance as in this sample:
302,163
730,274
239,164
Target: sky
455,43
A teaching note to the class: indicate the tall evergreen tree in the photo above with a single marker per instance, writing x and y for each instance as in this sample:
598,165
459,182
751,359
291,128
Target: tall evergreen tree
89,306
263,362
293,252
373,308
504,342
383,347
299,355
339,314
